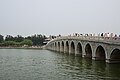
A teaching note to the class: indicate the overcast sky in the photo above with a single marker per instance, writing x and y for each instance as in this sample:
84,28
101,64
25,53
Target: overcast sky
53,17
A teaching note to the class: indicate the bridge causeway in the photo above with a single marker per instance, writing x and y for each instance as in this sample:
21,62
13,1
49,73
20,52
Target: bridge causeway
94,47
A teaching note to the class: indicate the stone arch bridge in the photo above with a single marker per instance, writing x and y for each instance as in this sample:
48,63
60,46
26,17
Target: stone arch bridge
96,48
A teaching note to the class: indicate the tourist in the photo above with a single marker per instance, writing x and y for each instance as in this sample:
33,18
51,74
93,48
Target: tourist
115,37
101,34
108,35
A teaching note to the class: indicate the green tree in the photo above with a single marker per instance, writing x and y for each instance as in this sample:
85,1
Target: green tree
37,39
27,42
18,38
1,38
9,38
9,43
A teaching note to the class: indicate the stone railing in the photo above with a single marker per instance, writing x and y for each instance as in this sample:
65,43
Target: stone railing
112,40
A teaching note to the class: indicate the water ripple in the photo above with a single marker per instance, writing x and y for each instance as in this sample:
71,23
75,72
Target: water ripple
21,64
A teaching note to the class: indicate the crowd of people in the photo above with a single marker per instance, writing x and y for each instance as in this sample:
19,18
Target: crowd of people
102,35
110,35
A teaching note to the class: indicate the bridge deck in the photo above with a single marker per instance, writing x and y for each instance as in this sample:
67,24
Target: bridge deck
107,40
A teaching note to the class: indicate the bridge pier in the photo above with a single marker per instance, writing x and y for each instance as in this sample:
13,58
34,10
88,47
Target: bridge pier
93,58
112,61
76,52
98,59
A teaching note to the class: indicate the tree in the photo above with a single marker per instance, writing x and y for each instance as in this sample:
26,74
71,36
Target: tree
9,43
9,38
27,42
37,39
1,38
18,38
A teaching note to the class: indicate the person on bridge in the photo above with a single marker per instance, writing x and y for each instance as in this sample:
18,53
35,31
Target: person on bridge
101,34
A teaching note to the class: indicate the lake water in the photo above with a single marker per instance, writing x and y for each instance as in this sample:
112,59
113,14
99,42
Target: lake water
33,64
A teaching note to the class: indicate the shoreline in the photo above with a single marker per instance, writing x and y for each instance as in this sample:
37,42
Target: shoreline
35,47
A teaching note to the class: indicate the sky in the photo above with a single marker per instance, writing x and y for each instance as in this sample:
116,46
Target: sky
54,17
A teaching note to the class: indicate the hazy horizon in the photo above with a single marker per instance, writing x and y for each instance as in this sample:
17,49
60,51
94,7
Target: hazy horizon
54,17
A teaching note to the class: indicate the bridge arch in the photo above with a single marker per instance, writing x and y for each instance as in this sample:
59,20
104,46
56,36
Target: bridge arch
100,53
67,46
115,56
88,51
62,46
72,46
79,49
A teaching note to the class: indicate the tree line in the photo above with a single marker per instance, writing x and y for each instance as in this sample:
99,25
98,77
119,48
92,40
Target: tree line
17,41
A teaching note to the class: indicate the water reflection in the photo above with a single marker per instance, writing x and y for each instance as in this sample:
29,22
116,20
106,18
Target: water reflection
113,71
89,69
